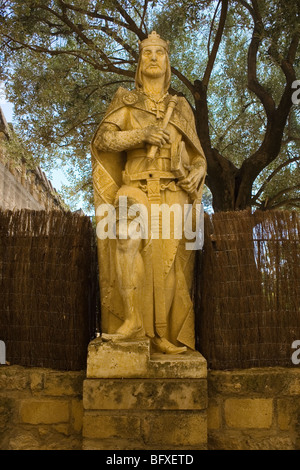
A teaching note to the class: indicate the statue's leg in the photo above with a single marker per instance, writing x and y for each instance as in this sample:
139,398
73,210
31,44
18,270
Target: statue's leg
161,343
170,283
130,273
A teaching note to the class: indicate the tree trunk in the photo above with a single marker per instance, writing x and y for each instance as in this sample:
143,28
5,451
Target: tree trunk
221,173
222,183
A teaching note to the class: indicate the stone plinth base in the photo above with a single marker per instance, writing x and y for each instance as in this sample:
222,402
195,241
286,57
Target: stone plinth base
134,400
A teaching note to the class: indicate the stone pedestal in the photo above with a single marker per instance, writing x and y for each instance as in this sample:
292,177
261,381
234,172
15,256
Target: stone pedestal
134,400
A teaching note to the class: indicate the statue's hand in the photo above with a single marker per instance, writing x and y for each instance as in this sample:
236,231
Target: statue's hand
154,135
191,182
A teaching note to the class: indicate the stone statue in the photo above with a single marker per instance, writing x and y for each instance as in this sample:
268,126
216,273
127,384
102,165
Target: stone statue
146,152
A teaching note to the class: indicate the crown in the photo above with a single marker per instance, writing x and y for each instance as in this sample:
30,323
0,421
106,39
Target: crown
154,39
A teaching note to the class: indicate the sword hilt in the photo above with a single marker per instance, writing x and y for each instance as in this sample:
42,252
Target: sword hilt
172,103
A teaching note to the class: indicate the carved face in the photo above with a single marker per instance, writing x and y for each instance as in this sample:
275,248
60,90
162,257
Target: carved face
153,61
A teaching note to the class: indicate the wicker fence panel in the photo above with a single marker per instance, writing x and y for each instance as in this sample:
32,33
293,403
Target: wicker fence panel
248,289
47,288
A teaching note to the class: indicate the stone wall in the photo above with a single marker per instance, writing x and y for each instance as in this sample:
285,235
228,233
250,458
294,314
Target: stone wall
254,409
13,195
21,186
25,188
248,409
40,409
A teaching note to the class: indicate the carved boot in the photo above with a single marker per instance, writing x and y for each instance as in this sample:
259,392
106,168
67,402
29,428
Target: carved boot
165,347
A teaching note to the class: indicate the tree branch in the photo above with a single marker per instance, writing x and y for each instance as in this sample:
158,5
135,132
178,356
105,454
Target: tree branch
292,52
120,41
108,68
130,22
285,203
253,83
271,176
276,118
286,65
291,138
249,8
215,48
64,18
77,124
106,29
131,25
212,27
143,16
77,31
234,121
94,14
183,79
282,192
115,82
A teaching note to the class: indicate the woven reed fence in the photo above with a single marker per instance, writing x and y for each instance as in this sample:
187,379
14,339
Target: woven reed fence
48,288
248,289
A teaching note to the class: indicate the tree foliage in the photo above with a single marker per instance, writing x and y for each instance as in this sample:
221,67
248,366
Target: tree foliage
234,60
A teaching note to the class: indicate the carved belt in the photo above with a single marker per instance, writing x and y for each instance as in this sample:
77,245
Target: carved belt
164,152
150,175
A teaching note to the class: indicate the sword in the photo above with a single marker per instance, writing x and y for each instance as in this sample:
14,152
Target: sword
153,188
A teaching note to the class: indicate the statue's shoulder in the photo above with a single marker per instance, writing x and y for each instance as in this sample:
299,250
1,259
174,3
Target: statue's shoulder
121,98
116,101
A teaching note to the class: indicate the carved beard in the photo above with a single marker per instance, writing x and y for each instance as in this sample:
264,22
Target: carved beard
152,72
